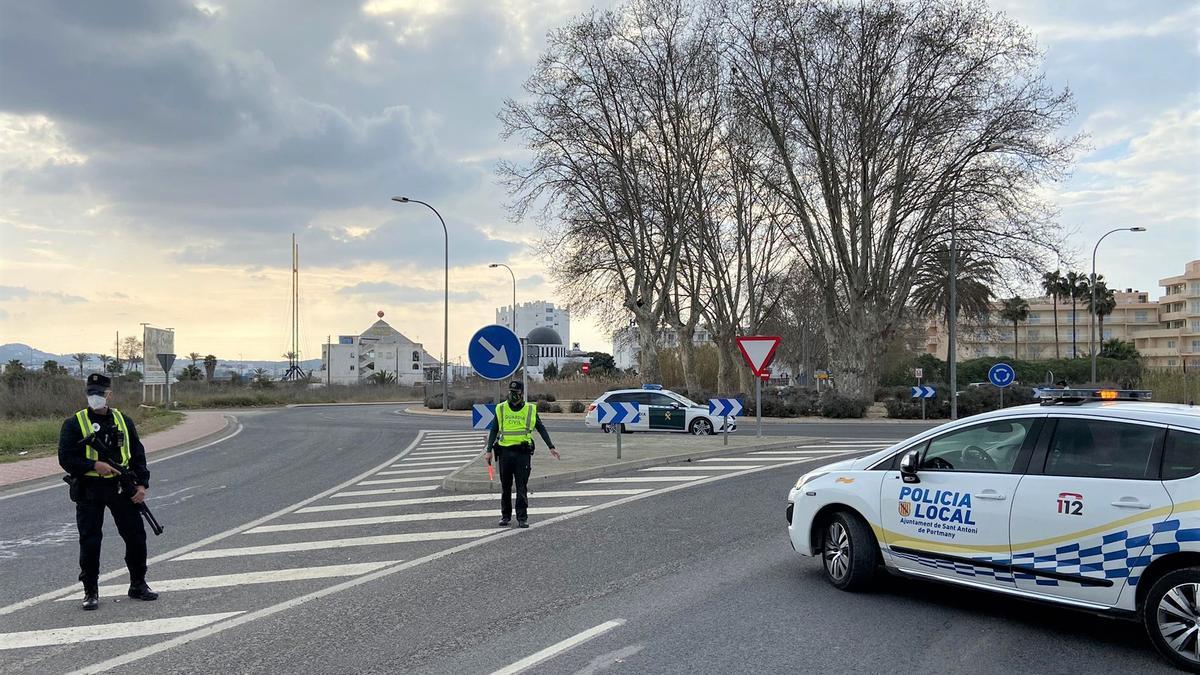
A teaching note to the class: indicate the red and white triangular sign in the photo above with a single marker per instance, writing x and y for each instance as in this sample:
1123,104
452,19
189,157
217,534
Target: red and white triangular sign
758,351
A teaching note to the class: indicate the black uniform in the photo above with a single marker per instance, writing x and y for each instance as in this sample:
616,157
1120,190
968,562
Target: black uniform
516,462
97,493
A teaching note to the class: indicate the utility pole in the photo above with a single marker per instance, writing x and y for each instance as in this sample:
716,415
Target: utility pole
329,360
952,351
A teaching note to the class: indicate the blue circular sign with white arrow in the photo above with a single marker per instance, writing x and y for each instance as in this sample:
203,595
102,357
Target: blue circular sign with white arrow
1002,375
495,352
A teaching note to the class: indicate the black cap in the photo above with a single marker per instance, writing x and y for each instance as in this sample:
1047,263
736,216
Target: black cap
97,384
516,385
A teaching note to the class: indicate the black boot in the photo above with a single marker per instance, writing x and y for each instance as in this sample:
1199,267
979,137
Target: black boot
503,522
91,596
522,523
140,591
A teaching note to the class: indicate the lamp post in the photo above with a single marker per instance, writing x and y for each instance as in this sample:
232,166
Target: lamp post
446,300
1092,317
524,380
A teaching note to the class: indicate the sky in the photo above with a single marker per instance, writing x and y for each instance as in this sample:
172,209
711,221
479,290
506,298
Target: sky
157,155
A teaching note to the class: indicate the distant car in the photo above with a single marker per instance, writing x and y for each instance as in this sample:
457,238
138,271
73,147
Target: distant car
662,410
1088,500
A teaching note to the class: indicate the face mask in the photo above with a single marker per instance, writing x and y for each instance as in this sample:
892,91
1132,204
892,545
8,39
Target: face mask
97,402
514,398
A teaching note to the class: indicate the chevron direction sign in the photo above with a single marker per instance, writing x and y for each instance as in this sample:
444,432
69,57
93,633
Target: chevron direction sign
725,407
482,415
618,413
923,391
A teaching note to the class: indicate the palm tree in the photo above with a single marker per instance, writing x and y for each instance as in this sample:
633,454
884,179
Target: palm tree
1106,302
194,356
1074,285
1052,283
210,366
14,366
105,359
930,294
1016,310
81,359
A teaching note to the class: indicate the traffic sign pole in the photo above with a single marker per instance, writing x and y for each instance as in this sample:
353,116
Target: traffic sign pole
922,401
758,403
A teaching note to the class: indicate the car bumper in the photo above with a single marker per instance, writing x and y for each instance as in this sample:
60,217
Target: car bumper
801,510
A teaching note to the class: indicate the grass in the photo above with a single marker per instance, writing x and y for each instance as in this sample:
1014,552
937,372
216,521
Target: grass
39,437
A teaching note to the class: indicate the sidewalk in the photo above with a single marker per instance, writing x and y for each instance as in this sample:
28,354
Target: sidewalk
590,455
744,421
194,427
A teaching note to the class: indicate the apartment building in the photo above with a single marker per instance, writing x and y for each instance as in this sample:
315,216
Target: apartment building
1166,332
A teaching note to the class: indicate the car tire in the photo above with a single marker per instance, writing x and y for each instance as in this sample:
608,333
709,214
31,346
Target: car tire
849,553
612,428
1172,608
701,427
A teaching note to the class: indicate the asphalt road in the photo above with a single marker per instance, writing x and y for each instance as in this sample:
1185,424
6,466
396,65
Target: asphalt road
691,574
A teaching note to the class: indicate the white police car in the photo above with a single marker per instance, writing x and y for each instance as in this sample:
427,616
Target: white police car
661,410
1088,500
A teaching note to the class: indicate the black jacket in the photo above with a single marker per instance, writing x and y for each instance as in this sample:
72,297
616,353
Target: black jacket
71,451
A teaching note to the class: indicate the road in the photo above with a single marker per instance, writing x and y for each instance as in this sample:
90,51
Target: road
316,540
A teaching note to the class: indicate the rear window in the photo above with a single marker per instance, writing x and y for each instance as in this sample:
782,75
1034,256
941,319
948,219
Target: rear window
1181,455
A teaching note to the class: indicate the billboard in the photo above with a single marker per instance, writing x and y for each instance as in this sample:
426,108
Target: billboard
157,341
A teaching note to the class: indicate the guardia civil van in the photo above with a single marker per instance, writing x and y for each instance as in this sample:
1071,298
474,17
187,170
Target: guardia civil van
1090,499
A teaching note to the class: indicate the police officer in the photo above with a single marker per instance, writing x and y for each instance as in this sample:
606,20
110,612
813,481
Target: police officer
511,439
96,488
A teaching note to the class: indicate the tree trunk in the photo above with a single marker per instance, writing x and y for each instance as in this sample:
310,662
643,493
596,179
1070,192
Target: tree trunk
857,334
1054,300
648,348
687,357
725,364
1074,345
1016,344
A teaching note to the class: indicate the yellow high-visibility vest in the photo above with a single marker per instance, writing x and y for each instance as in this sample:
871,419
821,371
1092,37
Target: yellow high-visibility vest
85,426
514,427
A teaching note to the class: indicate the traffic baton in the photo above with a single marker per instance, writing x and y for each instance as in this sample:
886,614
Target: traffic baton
491,473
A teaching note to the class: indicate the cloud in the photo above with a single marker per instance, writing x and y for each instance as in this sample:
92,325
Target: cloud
21,293
397,294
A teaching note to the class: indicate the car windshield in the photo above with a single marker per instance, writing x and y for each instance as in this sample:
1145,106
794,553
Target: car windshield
687,401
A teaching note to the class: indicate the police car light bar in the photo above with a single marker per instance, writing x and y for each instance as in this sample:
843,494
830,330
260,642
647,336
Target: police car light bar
652,387
1076,396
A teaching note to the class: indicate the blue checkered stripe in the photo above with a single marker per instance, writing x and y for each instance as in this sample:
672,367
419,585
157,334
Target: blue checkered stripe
1123,554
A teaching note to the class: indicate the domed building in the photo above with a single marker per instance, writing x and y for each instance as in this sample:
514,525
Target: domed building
549,347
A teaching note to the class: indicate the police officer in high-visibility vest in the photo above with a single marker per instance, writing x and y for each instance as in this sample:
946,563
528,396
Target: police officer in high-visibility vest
94,487
511,439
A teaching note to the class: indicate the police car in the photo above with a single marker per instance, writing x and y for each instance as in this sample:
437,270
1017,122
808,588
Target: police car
661,410
1091,499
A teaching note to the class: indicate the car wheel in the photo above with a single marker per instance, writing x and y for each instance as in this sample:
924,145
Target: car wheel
849,552
608,428
701,427
1172,617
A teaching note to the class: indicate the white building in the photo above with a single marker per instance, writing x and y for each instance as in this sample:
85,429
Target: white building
540,314
381,348
626,348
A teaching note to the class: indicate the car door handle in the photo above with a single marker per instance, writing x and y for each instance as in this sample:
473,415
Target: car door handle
1130,503
990,494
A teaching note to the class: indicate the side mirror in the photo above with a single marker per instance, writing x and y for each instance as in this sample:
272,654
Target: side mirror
908,466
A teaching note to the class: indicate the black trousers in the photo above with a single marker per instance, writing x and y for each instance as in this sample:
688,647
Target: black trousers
515,465
96,494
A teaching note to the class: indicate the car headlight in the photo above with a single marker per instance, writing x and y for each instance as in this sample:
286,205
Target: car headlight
810,477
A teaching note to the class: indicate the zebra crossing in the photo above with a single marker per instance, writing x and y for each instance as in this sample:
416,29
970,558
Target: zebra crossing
377,522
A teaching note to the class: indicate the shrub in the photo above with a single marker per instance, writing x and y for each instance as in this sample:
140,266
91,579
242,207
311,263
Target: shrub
837,406
461,403
549,408
434,402
578,407
543,396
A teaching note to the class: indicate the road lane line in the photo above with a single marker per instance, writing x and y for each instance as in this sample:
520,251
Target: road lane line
392,491
826,451
466,498
74,588
106,631
734,460
703,468
406,518
640,479
434,469
389,481
435,455
377,540
248,578
234,622
559,647
413,465
847,446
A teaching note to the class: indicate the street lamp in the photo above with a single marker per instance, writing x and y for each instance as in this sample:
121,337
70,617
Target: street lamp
446,302
514,316
1092,317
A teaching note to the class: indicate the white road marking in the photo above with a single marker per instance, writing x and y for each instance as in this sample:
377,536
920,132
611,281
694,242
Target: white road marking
793,453
407,518
413,465
703,468
392,491
641,479
234,622
377,540
848,446
390,481
468,498
760,459
435,455
409,471
247,578
106,631
559,647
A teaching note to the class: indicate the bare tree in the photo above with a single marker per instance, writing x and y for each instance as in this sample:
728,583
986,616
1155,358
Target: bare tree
132,348
894,124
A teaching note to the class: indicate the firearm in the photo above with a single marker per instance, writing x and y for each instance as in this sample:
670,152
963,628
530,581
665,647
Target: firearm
125,479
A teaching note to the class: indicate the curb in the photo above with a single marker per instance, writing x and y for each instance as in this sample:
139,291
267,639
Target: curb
472,485
743,422
327,405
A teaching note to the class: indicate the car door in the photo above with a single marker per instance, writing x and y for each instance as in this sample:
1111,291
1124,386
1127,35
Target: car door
1083,517
953,522
642,399
666,413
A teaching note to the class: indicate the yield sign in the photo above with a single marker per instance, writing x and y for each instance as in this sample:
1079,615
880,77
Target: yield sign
758,351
